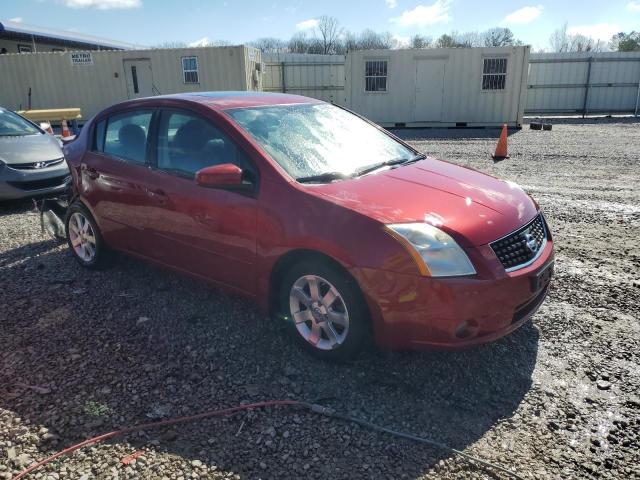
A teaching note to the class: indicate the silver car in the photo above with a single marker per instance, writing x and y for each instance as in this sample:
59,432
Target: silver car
31,160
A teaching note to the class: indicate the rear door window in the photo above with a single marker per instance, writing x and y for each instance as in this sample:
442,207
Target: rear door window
126,136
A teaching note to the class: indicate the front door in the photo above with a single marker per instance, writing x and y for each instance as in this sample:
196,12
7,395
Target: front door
429,92
139,77
206,231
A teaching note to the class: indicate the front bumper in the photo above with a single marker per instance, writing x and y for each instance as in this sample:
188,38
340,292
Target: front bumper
414,312
16,184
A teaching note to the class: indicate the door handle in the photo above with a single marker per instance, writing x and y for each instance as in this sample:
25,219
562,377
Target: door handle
92,173
158,195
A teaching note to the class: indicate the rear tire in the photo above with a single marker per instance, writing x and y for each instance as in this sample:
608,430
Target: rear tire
84,237
326,312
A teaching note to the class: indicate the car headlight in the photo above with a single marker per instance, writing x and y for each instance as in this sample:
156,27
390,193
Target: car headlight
435,252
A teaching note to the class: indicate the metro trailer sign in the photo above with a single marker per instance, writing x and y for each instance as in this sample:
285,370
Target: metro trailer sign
81,58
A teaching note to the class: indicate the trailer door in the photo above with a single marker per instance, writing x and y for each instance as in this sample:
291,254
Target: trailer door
139,77
429,94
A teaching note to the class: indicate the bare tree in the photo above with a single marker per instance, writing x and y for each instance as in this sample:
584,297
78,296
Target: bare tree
171,44
270,44
420,41
446,41
468,39
562,41
498,37
559,39
370,40
299,43
329,29
349,42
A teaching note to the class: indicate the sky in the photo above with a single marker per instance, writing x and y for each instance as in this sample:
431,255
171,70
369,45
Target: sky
153,22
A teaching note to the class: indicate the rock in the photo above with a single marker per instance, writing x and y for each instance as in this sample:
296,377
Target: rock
169,436
603,385
50,437
11,453
23,460
142,320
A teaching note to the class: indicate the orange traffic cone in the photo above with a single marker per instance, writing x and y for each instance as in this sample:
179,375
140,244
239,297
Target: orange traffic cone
501,147
67,133
49,129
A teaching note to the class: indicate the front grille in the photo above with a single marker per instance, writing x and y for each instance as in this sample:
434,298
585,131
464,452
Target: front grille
40,184
522,246
37,165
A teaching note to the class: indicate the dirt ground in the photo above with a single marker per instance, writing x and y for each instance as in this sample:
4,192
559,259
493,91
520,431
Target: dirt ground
83,353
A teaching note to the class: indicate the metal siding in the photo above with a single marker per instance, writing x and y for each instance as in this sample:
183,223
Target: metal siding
56,83
316,76
557,82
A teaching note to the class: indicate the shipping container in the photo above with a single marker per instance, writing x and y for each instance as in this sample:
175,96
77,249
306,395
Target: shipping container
93,80
463,87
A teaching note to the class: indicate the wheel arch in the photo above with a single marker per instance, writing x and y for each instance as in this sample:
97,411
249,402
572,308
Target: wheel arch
292,257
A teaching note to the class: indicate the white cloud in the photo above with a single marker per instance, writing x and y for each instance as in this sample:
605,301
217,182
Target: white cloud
203,42
524,15
599,31
423,15
633,6
401,41
307,24
16,19
103,4
391,3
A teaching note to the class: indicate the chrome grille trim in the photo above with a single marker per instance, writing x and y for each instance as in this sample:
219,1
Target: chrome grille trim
36,165
512,250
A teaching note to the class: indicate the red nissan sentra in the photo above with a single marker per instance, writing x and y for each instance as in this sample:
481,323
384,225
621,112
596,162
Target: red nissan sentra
328,221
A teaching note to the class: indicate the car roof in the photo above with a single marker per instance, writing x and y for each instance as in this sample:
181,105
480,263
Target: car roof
231,99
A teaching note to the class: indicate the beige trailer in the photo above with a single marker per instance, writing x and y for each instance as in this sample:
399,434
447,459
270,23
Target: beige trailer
93,80
463,87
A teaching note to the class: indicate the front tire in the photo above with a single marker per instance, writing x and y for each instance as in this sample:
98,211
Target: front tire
83,237
325,309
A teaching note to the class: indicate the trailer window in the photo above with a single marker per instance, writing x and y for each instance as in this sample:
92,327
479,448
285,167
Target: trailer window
190,70
494,73
375,76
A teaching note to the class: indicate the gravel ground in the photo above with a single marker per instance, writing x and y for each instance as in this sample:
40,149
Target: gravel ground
83,353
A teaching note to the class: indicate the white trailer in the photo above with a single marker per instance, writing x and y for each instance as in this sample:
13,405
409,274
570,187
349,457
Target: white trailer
458,87
93,80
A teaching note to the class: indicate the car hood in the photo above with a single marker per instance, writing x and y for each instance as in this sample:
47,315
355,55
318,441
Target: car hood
473,207
29,148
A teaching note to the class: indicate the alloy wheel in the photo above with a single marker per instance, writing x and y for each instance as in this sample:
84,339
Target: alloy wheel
319,312
82,237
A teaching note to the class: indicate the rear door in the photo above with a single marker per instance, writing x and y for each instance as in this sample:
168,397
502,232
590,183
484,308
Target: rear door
115,179
209,232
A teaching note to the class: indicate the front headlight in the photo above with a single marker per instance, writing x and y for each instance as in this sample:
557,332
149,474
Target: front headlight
435,252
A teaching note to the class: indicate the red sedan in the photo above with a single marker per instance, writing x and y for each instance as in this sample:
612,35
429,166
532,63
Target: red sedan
329,222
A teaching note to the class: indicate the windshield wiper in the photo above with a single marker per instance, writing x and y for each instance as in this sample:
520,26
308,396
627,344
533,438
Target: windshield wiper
396,161
325,177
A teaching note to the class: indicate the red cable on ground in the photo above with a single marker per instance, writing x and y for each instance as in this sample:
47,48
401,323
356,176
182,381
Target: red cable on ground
162,423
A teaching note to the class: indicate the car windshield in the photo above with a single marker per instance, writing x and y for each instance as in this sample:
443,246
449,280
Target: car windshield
312,140
13,125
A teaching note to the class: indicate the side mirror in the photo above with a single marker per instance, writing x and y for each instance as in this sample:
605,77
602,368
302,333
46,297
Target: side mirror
226,175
